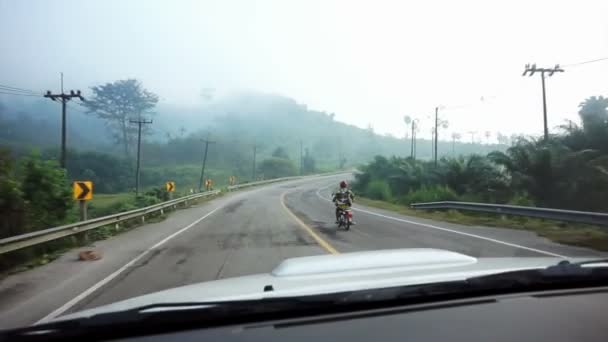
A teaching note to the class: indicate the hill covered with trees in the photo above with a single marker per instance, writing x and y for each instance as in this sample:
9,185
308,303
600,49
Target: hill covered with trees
99,134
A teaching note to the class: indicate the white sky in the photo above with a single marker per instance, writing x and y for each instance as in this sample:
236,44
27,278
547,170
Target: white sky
367,61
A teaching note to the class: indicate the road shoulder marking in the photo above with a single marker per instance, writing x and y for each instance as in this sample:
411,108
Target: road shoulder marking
57,312
329,248
447,229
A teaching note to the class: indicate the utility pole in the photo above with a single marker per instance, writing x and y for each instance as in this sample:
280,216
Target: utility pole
413,138
436,131
64,98
472,133
255,150
139,124
207,142
432,142
529,71
301,160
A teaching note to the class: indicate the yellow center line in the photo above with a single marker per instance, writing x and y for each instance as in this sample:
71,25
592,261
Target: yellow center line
329,248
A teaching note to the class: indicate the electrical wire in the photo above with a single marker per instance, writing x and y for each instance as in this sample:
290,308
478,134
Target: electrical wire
18,90
586,62
19,94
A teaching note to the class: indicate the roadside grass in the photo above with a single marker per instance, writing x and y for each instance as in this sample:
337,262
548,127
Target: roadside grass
575,234
106,200
34,256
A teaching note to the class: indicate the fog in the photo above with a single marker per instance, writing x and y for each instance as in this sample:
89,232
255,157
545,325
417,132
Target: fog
369,62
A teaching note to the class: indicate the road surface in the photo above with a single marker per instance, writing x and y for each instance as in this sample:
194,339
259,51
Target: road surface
241,233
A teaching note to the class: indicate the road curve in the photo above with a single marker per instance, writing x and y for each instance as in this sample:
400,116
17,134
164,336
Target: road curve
238,234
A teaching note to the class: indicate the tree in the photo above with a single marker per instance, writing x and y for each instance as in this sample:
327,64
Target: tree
555,175
11,198
594,112
594,116
280,152
502,139
407,120
342,162
276,168
308,163
473,175
46,192
109,173
118,102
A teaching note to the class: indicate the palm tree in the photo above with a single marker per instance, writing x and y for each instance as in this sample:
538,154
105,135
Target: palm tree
502,139
474,175
594,116
556,176
407,120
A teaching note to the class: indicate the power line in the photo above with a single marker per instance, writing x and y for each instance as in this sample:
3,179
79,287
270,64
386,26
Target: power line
18,94
587,62
19,90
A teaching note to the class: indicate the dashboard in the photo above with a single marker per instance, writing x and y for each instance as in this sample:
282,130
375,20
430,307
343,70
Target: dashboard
548,316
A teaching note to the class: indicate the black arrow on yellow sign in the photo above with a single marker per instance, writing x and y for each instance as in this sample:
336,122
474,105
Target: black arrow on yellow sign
83,190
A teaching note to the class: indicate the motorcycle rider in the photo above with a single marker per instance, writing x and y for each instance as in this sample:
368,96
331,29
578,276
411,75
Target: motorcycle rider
344,195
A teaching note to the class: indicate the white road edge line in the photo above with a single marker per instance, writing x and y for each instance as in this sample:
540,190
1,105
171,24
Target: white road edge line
446,229
116,273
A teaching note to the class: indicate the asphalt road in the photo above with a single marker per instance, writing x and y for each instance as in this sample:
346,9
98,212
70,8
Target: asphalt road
241,233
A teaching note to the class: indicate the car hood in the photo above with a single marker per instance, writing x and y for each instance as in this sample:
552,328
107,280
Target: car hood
334,273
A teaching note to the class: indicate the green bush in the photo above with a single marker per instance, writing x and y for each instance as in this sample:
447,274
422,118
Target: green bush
159,193
523,200
276,168
145,200
378,190
111,209
46,192
429,194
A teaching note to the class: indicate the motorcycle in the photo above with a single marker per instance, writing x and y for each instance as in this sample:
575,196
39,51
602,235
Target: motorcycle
345,216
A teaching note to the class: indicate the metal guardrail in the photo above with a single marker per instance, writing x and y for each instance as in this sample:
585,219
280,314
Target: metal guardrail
34,238
275,180
546,213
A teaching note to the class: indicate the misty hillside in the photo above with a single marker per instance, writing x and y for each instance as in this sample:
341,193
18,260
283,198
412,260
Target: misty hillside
234,122
237,122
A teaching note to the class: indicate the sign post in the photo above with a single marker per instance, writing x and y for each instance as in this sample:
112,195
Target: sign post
208,184
83,192
82,205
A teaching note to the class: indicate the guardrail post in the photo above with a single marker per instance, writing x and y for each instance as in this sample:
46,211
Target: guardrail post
143,219
162,212
117,226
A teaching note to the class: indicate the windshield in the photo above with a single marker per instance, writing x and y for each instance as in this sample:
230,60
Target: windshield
315,146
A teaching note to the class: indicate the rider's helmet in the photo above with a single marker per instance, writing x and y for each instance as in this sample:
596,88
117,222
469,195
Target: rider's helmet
343,185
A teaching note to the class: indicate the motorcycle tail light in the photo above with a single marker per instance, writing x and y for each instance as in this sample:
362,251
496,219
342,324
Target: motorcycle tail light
350,214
